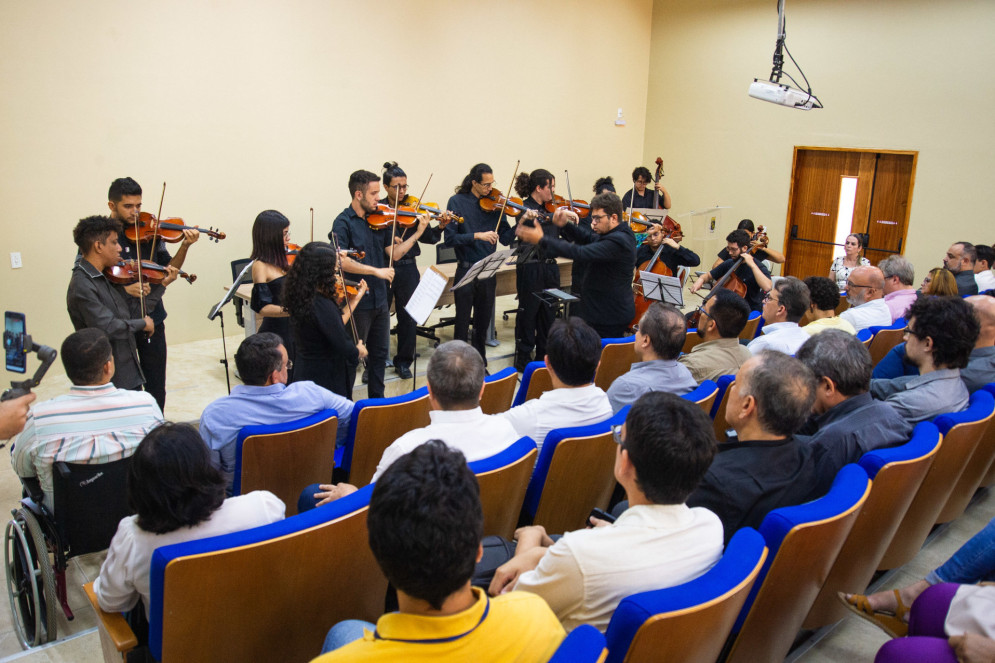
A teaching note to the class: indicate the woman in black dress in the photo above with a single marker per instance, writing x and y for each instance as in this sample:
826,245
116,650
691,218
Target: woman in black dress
270,236
327,352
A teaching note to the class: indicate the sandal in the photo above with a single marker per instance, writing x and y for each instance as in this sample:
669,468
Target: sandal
891,623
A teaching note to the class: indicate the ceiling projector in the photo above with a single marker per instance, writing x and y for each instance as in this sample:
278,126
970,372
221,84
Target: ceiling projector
783,95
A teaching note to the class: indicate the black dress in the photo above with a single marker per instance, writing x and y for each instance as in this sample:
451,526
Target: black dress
272,293
326,353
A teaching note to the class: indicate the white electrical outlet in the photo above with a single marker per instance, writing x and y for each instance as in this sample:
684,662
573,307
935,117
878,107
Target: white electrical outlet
15,260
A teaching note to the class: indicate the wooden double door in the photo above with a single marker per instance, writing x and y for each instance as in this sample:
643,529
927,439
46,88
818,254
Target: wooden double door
881,204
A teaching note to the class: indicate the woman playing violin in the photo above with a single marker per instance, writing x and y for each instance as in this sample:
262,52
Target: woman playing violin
641,179
752,272
270,236
327,353
763,252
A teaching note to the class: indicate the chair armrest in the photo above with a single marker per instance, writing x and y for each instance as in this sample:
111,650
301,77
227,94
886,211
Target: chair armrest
113,625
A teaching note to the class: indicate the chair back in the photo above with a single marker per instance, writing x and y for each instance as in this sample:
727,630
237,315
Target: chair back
283,458
989,478
959,442
803,541
617,357
574,473
584,644
865,336
499,390
718,413
90,501
375,424
689,622
503,479
976,466
535,382
753,326
268,593
885,338
691,339
896,475
703,396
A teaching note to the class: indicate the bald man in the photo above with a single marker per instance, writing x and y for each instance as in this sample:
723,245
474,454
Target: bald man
865,292
980,368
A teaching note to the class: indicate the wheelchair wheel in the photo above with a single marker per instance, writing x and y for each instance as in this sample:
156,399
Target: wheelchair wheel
30,580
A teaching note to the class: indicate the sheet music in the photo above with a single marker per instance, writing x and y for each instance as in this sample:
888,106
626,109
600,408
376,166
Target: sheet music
662,288
484,268
426,295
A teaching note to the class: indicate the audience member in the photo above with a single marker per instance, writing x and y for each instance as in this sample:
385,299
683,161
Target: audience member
939,282
572,352
851,259
665,446
865,292
177,496
784,306
960,259
983,275
425,528
938,339
767,467
825,297
899,291
95,422
264,398
847,421
723,318
14,415
660,338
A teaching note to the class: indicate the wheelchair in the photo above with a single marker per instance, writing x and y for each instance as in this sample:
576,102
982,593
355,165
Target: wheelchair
90,501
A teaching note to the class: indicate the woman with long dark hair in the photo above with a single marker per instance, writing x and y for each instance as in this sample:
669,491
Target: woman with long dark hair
270,236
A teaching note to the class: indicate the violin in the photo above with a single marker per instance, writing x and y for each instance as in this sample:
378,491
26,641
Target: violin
344,288
293,250
512,206
126,273
730,280
444,217
169,229
653,265
637,221
407,217
579,207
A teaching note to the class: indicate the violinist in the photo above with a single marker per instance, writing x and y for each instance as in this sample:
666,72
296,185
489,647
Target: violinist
124,199
473,240
761,253
94,302
327,353
641,179
601,185
537,273
673,254
406,275
270,236
752,272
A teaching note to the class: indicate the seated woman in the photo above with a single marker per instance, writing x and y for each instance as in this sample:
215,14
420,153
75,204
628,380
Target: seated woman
842,265
940,282
177,496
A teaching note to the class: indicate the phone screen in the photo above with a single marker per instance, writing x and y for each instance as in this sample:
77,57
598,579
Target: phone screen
13,341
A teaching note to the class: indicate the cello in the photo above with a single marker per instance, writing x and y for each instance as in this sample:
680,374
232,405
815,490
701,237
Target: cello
730,280
655,266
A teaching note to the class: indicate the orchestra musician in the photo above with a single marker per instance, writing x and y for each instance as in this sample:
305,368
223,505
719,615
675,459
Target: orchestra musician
673,254
764,253
750,271
473,240
609,251
641,179
270,236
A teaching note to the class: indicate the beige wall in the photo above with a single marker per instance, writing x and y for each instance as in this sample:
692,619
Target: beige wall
245,106
899,74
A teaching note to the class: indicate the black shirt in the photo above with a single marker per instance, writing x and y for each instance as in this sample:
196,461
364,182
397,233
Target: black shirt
644,201
754,293
475,220
353,232
759,255
671,257
966,284
430,236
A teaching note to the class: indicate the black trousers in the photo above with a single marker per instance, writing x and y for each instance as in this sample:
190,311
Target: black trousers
373,327
406,278
611,331
152,358
475,300
534,316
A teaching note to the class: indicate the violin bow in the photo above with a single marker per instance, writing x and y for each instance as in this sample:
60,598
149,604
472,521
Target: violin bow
570,196
393,225
504,205
312,224
338,270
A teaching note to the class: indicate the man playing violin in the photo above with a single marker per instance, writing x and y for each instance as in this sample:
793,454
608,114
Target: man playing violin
643,194
750,271
673,254
352,231
124,199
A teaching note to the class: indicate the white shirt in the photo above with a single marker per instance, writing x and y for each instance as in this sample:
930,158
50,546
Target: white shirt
558,408
784,337
585,575
124,577
474,433
874,313
985,280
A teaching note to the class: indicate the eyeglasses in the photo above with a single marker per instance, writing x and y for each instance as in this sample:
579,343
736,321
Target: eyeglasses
598,217
850,284
701,309
290,365
402,187
617,434
768,298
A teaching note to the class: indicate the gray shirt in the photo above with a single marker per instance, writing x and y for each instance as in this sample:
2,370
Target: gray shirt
646,376
925,396
980,369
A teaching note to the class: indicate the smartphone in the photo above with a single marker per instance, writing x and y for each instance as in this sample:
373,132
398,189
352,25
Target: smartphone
601,515
13,341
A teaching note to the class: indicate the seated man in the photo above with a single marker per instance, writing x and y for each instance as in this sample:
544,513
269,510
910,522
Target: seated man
983,267
723,318
825,297
959,260
899,288
784,306
665,446
572,352
865,292
938,340
95,422
752,272
848,422
264,398
659,341
425,528
767,467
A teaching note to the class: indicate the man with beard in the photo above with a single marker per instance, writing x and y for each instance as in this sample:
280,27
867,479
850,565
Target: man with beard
723,318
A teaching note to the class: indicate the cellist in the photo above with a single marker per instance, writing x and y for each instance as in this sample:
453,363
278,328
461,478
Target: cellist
752,272
673,254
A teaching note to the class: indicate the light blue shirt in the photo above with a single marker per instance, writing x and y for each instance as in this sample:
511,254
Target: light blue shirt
645,376
274,404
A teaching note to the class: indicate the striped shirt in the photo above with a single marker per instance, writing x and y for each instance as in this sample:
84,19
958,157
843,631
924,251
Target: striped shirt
88,425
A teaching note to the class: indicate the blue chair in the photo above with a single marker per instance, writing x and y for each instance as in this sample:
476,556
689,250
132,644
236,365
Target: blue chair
718,413
689,622
375,424
976,467
503,479
885,338
989,478
535,381
263,593
754,326
804,541
703,395
283,458
617,356
584,644
574,473
894,365
865,336
499,390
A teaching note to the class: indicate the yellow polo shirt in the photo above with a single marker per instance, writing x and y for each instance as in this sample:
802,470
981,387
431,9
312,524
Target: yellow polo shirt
517,626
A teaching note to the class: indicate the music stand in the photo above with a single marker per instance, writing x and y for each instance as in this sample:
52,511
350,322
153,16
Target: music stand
484,268
662,288
557,300
216,312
